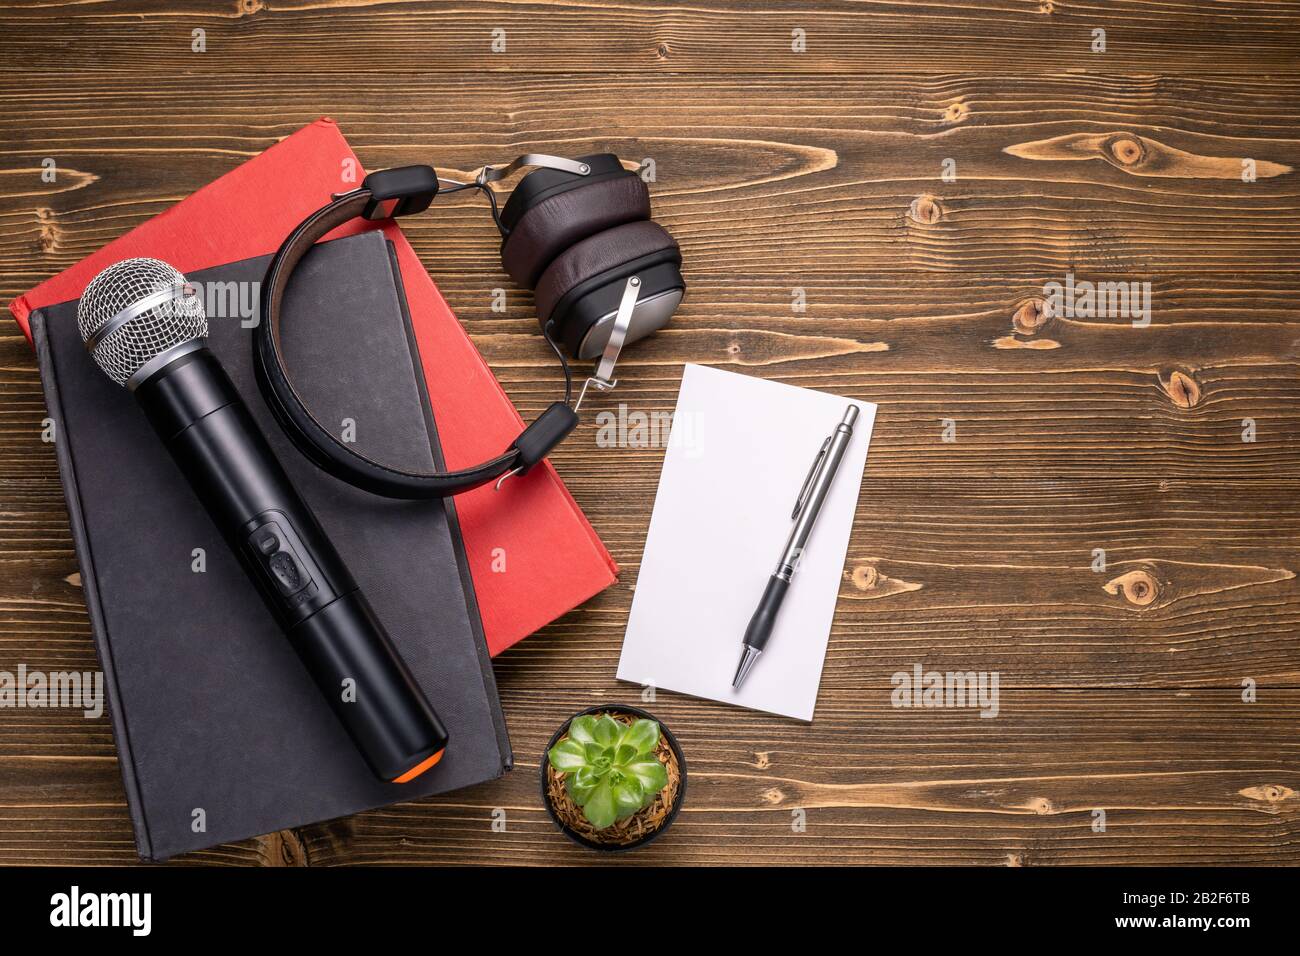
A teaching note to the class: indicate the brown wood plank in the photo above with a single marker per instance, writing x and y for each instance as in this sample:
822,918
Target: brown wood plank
1100,398
1184,777
1199,587
1013,423
736,36
885,785
1176,400
806,176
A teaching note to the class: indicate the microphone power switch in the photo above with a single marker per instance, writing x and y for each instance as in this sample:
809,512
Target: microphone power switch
288,575
280,562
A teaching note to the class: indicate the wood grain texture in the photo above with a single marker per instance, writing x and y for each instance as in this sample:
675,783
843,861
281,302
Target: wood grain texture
1198,588
804,175
732,36
1183,778
817,179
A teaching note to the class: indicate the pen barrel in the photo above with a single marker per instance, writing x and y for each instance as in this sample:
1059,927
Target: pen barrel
764,619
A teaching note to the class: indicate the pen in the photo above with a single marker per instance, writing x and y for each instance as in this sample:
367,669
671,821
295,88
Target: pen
806,509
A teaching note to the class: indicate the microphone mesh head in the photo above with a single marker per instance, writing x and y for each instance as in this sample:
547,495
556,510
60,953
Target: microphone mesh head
173,320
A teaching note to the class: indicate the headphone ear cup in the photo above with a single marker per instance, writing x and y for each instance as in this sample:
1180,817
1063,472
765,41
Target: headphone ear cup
556,222
580,290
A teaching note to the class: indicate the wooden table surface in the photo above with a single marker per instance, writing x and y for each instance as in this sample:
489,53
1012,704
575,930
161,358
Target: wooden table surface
821,170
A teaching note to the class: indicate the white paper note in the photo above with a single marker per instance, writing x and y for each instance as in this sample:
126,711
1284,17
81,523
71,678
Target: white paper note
739,451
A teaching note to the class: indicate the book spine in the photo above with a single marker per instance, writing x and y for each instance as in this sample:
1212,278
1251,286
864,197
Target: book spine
90,590
453,523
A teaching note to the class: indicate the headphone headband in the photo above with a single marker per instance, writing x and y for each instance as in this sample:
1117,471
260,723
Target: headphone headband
394,192
579,232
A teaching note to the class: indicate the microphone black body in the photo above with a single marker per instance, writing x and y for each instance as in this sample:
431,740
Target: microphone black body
209,432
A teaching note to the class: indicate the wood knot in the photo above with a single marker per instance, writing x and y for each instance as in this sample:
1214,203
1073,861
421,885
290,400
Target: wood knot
762,760
1041,805
1127,150
865,577
1139,587
1181,389
956,112
773,795
47,236
1046,7
1269,793
282,848
1141,156
249,7
663,51
1030,316
1015,859
925,210
869,578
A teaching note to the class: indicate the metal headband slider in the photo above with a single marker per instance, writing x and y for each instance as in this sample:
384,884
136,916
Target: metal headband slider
603,377
492,174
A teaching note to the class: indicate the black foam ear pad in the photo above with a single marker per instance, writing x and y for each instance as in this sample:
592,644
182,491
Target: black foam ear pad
595,256
557,221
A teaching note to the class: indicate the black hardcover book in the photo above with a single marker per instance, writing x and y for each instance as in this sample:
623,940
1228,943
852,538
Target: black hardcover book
220,732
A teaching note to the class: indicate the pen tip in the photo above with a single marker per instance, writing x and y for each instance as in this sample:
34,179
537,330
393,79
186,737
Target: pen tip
747,657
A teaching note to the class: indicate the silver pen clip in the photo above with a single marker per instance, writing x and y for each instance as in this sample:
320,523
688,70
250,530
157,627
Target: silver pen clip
807,482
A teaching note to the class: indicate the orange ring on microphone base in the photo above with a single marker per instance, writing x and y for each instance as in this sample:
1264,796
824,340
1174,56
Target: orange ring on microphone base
420,767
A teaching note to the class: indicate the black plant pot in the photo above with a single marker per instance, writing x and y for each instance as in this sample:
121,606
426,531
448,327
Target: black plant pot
681,789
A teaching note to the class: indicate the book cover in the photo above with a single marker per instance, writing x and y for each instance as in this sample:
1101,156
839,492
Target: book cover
220,732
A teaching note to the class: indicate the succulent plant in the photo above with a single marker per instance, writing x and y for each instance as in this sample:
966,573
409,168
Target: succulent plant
609,767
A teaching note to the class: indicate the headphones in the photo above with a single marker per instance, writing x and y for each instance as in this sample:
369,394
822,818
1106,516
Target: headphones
576,231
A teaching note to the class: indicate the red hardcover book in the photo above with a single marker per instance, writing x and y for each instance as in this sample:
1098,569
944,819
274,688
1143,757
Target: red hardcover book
553,558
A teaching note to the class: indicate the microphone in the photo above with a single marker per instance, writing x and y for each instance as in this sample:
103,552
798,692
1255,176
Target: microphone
146,329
